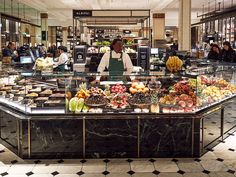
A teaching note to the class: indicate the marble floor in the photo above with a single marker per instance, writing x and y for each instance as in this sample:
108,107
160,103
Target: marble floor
219,162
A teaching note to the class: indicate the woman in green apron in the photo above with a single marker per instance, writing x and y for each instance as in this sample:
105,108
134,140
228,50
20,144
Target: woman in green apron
60,62
116,62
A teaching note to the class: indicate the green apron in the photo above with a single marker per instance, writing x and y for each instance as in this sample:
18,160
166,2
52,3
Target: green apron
116,68
61,67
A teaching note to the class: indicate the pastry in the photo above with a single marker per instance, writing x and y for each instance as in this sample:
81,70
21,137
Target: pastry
6,88
46,92
32,95
22,92
38,89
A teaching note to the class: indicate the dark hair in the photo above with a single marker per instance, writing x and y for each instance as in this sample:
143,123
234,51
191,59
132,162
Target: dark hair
228,44
10,43
63,48
214,45
114,42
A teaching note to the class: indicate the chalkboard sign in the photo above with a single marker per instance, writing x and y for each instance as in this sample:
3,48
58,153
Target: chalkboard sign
144,57
79,54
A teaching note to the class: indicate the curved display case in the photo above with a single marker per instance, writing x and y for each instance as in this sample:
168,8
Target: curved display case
139,115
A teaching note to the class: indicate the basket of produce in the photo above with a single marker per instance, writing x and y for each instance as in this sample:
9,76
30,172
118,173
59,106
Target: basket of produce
118,97
96,101
119,101
140,100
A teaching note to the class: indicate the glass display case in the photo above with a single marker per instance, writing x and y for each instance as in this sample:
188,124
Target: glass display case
41,113
145,93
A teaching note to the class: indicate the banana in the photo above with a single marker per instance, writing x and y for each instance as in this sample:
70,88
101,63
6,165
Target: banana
174,64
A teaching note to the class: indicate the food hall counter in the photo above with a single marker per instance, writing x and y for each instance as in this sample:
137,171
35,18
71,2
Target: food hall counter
152,116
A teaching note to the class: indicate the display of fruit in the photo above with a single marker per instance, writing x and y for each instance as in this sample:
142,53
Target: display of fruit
92,50
174,64
73,104
182,87
140,98
77,105
181,103
97,91
106,43
119,101
138,87
83,91
211,94
168,99
206,80
96,100
195,84
129,50
221,83
118,88
104,49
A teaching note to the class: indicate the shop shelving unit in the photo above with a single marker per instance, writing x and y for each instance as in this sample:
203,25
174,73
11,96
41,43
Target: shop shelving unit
218,24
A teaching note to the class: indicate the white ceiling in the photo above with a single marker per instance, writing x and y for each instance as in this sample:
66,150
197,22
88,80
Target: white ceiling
60,11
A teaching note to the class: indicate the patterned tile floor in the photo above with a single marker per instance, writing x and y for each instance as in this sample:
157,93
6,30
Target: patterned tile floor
220,162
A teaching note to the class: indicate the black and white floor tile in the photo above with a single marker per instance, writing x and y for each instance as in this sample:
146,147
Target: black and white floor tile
220,162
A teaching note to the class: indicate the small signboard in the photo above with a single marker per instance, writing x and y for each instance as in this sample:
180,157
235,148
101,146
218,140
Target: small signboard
82,13
144,57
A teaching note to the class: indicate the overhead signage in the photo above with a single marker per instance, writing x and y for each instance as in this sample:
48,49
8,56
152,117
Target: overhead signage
127,31
82,13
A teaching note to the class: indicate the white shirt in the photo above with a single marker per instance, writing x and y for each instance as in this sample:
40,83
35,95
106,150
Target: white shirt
62,59
128,66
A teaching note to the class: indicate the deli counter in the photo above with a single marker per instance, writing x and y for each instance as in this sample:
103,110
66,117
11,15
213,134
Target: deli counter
140,115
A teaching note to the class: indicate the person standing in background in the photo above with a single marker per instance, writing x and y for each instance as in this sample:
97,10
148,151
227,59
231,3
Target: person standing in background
10,51
228,54
53,50
215,53
60,63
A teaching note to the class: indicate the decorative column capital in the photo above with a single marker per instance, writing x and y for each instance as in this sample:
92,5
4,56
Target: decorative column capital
158,15
44,15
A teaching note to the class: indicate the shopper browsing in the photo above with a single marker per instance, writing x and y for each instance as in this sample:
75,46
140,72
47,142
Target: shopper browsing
215,53
10,51
116,61
60,63
228,54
